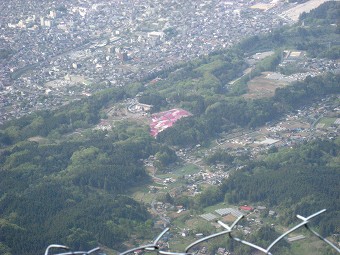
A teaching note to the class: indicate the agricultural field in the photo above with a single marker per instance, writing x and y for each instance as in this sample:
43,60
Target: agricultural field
327,122
177,172
310,245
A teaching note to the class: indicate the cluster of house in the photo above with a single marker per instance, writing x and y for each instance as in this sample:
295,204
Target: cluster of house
305,66
111,43
303,125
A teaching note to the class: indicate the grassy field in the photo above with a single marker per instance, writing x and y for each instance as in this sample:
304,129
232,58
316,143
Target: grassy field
210,66
144,197
212,209
183,170
142,194
311,246
327,121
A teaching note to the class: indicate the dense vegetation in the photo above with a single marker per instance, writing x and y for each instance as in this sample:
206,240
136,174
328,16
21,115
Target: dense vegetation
71,192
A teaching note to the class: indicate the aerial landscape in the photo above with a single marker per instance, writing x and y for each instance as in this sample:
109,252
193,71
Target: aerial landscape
170,127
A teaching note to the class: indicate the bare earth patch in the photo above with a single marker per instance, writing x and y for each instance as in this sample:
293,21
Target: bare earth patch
296,11
229,218
261,87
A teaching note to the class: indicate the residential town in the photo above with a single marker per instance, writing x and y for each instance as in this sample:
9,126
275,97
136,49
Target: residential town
56,52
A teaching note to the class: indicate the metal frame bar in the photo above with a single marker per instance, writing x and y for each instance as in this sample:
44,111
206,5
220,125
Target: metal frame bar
305,221
55,246
80,252
155,247
204,239
229,229
148,247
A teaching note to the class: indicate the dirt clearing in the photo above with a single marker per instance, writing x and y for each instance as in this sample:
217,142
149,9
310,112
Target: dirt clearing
262,86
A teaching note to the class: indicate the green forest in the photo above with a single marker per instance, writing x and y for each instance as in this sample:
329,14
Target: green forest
63,182
72,192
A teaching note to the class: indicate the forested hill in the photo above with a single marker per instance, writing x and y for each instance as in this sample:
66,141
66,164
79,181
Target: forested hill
71,193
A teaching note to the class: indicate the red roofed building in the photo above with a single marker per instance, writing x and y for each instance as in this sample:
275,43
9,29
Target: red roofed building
246,208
